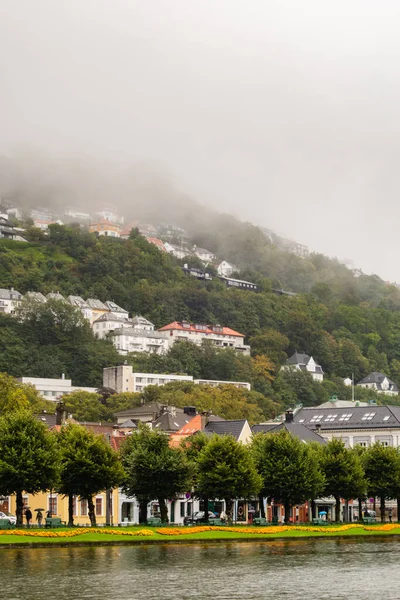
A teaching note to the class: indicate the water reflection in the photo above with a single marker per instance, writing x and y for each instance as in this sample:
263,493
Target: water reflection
305,569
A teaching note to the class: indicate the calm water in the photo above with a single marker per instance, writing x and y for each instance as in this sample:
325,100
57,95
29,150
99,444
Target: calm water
312,570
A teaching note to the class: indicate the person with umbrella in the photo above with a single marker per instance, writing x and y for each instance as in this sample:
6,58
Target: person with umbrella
39,516
323,514
28,516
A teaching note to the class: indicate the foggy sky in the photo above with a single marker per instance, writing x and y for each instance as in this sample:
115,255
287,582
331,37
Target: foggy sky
283,112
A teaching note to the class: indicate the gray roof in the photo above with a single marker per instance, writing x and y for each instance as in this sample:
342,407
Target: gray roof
95,303
111,317
48,419
78,301
342,404
140,333
128,423
377,378
36,296
296,429
139,320
9,294
55,296
114,307
233,428
145,409
171,422
355,417
302,360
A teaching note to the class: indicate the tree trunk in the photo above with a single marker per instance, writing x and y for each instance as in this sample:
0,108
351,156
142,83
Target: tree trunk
383,509
228,510
287,513
313,514
70,510
205,502
337,509
360,515
163,510
143,510
346,512
19,508
92,514
262,510
398,510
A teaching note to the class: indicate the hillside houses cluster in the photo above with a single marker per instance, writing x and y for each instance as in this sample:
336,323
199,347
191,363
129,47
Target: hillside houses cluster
135,334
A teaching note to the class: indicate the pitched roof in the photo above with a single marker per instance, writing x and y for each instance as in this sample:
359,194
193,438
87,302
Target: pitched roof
206,329
378,378
114,307
95,303
170,422
128,424
111,317
233,428
144,409
356,417
77,301
156,242
296,429
139,320
9,294
298,358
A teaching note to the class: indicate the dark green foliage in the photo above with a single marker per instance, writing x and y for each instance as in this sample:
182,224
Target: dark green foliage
88,465
28,457
154,470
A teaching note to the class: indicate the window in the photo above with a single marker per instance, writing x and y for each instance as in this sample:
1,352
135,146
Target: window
363,444
75,506
384,443
99,507
25,501
330,418
182,508
300,420
368,416
316,418
84,508
53,504
386,418
345,416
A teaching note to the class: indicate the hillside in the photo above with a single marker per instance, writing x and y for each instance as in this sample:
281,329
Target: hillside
349,325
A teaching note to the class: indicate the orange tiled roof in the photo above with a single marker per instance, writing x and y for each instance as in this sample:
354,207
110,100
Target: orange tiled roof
177,326
156,242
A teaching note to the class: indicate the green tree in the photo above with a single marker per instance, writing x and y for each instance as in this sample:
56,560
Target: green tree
88,466
28,457
382,470
154,470
226,470
289,469
192,447
344,473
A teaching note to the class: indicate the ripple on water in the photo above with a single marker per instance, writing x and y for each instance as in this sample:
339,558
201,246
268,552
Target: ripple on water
358,569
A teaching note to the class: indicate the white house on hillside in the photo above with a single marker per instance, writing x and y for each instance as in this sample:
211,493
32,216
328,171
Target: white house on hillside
380,383
109,322
9,300
203,254
303,362
83,306
225,269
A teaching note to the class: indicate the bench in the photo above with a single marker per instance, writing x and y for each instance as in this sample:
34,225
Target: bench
154,522
260,521
53,522
319,522
369,520
5,524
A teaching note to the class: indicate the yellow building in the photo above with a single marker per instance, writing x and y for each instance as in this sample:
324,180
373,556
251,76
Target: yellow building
58,506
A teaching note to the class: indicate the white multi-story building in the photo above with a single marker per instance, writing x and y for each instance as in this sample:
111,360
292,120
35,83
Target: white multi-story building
9,300
83,306
222,337
54,389
303,362
203,254
122,379
132,339
109,322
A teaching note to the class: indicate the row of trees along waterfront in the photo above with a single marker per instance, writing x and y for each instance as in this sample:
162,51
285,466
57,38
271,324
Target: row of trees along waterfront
76,462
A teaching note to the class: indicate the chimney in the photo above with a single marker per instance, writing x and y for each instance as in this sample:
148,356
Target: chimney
318,427
61,414
62,375
204,419
190,411
289,416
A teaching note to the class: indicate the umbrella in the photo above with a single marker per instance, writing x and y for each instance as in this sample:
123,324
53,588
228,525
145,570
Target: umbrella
323,512
39,509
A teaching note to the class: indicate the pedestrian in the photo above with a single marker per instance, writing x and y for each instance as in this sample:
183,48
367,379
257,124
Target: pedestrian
28,516
390,515
39,518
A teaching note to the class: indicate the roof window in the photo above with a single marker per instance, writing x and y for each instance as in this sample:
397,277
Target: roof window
345,416
386,418
330,418
316,418
368,416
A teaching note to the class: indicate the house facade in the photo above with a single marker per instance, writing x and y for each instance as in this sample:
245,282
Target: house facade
105,227
304,362
131,339
379,382
10,300
222,337
53,389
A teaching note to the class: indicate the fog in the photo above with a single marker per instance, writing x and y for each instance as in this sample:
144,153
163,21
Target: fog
282,112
